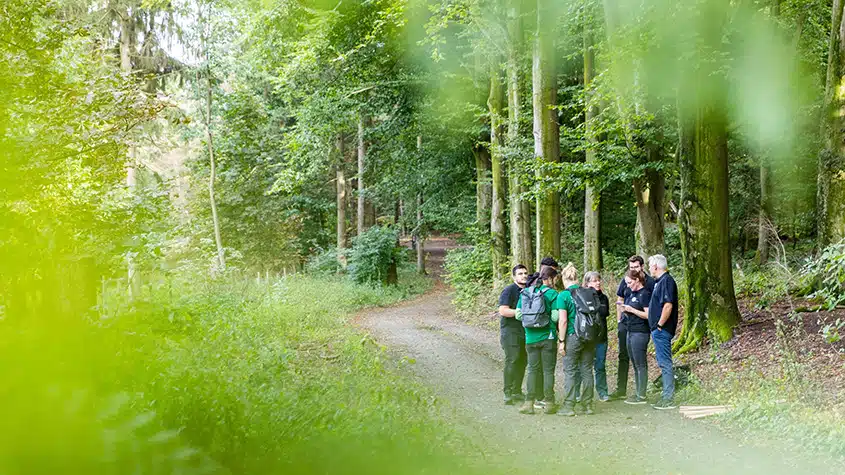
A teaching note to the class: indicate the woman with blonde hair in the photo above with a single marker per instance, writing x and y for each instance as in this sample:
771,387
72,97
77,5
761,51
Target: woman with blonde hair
578,355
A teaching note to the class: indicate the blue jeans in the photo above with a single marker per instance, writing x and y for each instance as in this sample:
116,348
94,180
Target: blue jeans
663,351
601,371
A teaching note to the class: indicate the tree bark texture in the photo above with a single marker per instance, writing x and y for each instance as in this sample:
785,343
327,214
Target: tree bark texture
419,227
498,237
362,152
592,197
127,45
705,237
831,167
522,249
342,237
764,228
649,192
212,178
546,129
483,187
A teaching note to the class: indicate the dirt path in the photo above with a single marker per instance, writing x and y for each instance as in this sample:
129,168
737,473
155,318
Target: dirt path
462,364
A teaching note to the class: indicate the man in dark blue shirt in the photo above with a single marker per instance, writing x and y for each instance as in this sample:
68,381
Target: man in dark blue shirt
635,263
512,337
663,321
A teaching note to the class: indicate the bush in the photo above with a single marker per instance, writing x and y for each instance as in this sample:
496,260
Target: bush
372,254
323,263
470,273
827,273
766,286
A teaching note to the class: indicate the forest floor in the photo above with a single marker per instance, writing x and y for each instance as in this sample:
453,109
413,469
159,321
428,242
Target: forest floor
462,364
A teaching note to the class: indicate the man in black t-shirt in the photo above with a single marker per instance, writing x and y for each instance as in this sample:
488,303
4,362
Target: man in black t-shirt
512,337
663,321
635,263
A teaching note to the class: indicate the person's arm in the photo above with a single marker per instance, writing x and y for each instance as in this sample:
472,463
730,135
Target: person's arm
664,316
639,313
506,311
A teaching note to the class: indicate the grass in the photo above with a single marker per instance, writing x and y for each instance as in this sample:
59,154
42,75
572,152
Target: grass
225,376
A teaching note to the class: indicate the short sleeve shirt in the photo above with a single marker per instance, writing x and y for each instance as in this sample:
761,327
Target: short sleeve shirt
535,335
665,291
564,302
640,300
620,291
510,297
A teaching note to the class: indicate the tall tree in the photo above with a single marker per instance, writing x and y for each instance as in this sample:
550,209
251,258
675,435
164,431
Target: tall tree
546,129
520,210
498,238
418,229
831,167
592,197
342,238
483,186
362,152
205,21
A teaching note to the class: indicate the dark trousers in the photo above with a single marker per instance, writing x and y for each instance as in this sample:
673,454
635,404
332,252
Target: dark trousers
579,360
600,368
542,358
513,342
637,347
622,373
663,352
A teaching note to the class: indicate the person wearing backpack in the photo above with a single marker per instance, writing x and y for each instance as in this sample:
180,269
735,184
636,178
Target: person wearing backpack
534,310
635,308
512,337
579,322
592,279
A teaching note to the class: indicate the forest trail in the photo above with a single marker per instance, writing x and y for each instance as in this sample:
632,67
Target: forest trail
462,364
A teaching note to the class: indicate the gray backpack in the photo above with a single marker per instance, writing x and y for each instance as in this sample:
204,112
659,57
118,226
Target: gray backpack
533,307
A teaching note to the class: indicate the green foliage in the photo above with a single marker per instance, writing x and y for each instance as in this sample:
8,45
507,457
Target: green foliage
323,262
764,286
470,273
827,272
372,254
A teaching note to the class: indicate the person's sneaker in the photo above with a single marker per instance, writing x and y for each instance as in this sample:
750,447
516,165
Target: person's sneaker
616,395
589,410
510,400
566,412
518,397
540,404
527,407
664,404
636,400
549,408
604,398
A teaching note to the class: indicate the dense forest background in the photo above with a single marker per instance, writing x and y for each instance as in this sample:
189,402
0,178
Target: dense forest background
156,154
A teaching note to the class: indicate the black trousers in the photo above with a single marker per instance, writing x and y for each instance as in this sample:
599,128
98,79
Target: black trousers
542,358
624,360
516,359
637,347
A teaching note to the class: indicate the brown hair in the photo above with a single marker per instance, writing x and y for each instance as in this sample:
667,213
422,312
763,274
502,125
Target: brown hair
548,273
636,275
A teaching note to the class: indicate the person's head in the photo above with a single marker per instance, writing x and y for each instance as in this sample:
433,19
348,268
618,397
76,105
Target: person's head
657,265
520,275
592,279
547,275
550,262
635,279
636,263
569,275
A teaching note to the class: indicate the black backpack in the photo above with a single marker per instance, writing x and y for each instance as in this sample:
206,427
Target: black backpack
587,319
533,308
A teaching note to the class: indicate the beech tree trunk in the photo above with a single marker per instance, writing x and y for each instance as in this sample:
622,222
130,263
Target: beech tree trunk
546,129
483,187
362,205
831,166
342,237
419,227
522,249
649,193
497,143
212,178
765,215
592,197
127,45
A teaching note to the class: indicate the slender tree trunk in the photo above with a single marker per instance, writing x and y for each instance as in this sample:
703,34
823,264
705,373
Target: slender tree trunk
497,143
483,187
546,129
522,249
127,45
218,241
420,233
764,224
362,152
649,192
592,197
831,184
342,238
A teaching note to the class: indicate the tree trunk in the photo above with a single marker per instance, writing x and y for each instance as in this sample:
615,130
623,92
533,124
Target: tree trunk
649,193
765,216
497,143
592,197
522,249
362,151
342,238
419,227
705,235
831,167
483,187
546,130
127,44
218,241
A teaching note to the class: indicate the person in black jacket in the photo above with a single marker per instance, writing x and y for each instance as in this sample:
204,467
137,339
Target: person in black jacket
593,279
512,337
635,308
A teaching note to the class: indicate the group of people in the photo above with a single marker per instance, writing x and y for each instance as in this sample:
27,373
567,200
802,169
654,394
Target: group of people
550,312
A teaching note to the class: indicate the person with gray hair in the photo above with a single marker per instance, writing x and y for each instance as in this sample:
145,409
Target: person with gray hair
663,321
592,279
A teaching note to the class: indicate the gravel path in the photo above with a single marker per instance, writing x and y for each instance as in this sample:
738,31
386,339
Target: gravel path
462,364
